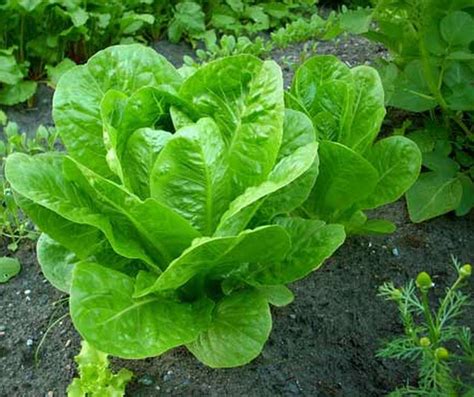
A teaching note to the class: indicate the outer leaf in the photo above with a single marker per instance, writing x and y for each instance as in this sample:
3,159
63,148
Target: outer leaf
17,93
467,199
76,103
245,97
312,242
368,112
106,315
241,325
213,256
57,262
9,267
457,28
345,178
288,170
191,176
432,195
398,162
161,233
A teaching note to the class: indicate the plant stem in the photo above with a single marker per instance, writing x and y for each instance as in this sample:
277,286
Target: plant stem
429,317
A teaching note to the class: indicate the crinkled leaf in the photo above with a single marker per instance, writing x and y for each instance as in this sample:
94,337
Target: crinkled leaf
212,256
245,97
345,178
240,327
288,170
191,175
312,242
76,103
106,315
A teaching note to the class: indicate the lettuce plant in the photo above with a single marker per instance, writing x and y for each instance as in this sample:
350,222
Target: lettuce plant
170,221
356,172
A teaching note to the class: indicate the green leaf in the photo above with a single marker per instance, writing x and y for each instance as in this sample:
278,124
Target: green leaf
288,170
467,198
433,194
368,111
345,178
9,267
245,97
17,93
441,163
56,261
312,242
277,295
375,226
57,71
323,84
107,317
10,70
191,176
398,162
95,377
457,28
76,103
215,256
411,90
240,327
140,155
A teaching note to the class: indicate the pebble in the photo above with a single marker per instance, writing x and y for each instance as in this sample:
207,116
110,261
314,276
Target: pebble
168,376
27,291
146,380
50,394
29,342
68,342
2,333
293,316
395,252
3,327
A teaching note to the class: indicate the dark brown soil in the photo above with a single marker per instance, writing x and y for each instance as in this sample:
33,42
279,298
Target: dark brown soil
323,344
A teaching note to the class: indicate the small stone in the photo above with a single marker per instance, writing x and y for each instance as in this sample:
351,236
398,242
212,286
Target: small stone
395,252
167,376
68,343
146,380
50,394
3,327
2,333
27,291
293,316
29,342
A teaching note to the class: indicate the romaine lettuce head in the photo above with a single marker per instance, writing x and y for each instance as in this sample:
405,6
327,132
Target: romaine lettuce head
171,219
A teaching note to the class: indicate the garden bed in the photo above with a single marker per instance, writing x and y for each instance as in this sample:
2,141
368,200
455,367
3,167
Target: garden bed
323,344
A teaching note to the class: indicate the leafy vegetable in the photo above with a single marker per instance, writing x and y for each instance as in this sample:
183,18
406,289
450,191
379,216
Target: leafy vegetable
95,377
170,220
356,172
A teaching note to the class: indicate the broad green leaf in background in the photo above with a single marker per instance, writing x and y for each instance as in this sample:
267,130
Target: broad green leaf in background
398,161
106,315
76,103
432,195
457,28
17,93
9,267
240,326
467,198
57,71
245,97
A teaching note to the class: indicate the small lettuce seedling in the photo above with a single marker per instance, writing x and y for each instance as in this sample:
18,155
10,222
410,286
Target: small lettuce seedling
168,220
432,339
356,172
95,378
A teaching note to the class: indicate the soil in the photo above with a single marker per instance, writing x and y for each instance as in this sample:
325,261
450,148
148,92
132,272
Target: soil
323,344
